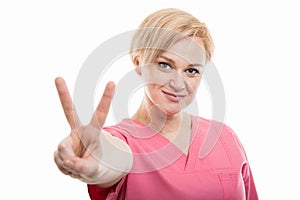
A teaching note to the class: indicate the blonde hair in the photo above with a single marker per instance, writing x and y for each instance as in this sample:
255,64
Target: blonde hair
161,29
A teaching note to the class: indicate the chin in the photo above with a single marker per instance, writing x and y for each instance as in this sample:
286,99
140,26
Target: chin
172,110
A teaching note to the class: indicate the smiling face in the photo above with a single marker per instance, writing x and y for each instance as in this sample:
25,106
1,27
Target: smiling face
172,80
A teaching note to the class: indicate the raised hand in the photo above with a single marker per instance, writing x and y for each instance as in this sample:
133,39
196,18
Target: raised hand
77,155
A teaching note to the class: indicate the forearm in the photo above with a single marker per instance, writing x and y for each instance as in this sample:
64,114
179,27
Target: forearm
115,160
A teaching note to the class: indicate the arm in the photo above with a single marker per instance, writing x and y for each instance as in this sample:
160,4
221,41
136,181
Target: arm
115,160
249,185
111,144
97,193
88,153
250,189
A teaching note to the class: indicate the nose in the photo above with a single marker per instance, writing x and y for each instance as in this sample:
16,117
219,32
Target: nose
177,82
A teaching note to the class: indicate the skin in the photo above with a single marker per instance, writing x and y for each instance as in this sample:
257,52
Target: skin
75,155
172,83
172,80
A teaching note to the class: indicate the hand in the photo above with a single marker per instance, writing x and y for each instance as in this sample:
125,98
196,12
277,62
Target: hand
77,155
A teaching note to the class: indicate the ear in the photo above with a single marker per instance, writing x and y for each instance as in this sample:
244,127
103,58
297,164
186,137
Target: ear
136,63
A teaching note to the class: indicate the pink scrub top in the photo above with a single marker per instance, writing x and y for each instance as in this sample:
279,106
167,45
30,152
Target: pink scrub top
216,166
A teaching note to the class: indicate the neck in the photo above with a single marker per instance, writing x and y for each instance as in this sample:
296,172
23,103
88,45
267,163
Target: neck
156,119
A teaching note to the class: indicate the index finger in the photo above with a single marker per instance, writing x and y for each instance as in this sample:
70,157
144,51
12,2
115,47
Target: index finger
102,109
66,102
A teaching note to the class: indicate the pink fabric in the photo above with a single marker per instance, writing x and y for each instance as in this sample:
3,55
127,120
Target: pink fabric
162,171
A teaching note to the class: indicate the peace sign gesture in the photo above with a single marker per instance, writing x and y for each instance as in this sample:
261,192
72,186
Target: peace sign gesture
77,155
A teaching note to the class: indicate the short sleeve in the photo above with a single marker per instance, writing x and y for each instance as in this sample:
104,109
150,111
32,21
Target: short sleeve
97,193
250,188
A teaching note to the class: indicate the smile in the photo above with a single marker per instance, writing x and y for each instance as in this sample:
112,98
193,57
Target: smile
173,97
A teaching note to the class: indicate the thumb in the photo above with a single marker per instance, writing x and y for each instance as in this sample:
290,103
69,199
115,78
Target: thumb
82,166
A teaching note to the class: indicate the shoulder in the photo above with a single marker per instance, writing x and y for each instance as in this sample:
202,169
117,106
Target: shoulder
206,125
125,129
218,134
214,127
116,130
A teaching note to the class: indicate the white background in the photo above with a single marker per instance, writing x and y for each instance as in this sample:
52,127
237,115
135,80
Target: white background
256,55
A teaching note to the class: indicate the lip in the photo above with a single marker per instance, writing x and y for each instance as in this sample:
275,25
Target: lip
173,97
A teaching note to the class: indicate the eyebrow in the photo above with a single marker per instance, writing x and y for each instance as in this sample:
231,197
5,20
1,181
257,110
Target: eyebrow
173,62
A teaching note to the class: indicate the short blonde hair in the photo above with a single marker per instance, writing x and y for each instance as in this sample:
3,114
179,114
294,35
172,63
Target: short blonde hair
163,28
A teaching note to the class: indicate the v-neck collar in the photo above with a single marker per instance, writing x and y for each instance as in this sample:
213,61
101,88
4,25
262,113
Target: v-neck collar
141,131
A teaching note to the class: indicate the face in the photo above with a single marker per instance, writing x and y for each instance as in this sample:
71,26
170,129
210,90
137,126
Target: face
172,80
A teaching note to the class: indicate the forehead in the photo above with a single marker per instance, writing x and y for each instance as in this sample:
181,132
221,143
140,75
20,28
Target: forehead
190,49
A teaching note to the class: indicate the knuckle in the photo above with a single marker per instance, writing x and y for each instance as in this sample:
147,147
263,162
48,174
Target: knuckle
56,158
63,145
58,162
68,108
81,168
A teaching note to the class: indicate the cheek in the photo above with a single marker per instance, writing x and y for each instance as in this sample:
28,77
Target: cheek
156,77
152,92
152,89
193,85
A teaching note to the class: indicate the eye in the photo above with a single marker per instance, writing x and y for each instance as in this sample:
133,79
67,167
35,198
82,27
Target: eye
192,71
164,65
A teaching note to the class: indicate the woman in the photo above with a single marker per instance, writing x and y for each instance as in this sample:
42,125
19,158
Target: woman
155,153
